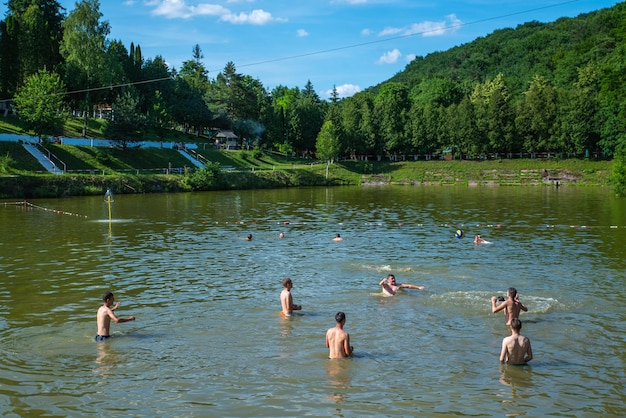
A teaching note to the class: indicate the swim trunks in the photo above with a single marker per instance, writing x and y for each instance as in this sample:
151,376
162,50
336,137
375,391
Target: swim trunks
102,337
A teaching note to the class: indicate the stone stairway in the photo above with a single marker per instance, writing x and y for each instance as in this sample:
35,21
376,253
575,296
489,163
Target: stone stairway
197,159
44,159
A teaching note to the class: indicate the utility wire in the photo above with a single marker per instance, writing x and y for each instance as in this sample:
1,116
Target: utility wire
455,26
325,51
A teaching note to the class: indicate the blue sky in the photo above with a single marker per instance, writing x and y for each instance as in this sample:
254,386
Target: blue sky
349,44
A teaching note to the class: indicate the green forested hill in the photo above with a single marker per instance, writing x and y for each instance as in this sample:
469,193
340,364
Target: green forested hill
555,50
554,87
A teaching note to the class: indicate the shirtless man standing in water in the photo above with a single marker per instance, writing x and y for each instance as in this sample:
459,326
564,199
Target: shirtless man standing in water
337,340
105,315
286,301
390,287
512,306
516,348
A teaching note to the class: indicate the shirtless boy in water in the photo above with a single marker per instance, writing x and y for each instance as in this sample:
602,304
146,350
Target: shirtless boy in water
512,306
337,340
390,287
105,315
286,300
516,348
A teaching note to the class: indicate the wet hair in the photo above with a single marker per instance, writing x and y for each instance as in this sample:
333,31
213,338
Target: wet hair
106,296
391,276
512,292
286,281
340,317
516,324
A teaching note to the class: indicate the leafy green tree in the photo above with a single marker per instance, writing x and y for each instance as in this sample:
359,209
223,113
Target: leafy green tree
9,67
612,94
536,116
283,101
391,104
580,130
29,41
358,124
618,174
307,119
494,115
194,73
40,103
84,48
237,99
189,108
327,145
158,96
128,123
461,127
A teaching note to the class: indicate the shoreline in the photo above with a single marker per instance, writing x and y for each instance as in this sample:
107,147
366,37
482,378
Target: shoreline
30,186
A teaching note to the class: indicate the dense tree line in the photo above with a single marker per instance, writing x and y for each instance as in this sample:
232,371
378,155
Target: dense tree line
555,87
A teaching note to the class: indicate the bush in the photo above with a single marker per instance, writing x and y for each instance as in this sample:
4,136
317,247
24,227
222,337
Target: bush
5,163
257,154
204,178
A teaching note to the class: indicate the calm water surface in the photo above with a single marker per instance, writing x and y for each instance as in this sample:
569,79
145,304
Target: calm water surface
209,342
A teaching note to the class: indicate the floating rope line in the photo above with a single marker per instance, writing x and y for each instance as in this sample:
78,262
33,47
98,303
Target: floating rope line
33,206
399,224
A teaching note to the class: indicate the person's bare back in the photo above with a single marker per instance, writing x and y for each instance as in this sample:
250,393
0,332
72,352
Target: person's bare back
516,348
338,340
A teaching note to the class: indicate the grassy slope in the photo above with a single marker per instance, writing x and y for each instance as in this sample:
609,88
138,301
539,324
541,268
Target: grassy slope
90,159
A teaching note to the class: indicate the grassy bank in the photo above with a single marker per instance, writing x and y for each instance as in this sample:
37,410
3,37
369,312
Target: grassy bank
269,173
91,170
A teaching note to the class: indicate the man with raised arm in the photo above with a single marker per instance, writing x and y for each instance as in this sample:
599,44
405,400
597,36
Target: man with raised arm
390,287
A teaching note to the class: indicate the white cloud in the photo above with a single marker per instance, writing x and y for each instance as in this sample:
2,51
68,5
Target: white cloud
428,28
256,17
390,31
301,33
350,1
345,90
409,57
179,9
366,32
390,57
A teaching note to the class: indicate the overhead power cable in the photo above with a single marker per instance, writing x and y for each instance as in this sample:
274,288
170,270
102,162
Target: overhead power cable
326,51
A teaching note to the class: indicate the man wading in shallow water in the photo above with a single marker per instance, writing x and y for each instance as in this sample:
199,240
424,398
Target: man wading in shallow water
338,340
105,314
516,348
512,306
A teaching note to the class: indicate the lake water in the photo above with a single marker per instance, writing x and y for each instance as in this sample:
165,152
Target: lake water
209,342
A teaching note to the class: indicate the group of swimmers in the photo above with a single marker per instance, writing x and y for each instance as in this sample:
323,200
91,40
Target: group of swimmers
516,348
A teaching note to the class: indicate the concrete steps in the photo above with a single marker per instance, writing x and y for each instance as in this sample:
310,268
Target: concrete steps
44,158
